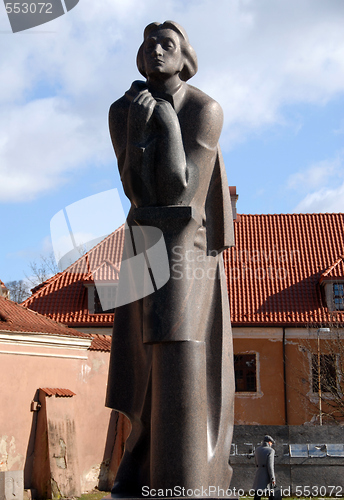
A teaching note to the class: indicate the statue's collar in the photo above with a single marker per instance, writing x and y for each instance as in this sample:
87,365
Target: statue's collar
176,98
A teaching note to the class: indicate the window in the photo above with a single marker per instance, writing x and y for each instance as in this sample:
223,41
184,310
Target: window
328,375
105,299
338,296
245,373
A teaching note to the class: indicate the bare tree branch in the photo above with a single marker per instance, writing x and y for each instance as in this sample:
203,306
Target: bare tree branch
19,290
42,270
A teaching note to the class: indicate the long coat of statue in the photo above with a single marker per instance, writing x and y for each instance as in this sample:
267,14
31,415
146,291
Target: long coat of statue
171,366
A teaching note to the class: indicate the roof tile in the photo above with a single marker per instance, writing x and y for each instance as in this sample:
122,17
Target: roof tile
273,273
334,271
17,318
101,343
59,393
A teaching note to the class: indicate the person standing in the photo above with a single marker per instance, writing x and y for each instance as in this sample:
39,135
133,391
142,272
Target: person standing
264,457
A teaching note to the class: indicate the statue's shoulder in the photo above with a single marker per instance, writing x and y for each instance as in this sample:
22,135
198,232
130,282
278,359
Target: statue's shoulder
201,99
119,108
201,103
204,112
118,116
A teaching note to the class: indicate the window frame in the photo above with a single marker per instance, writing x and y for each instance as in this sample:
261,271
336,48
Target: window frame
246,390
339,296
93,294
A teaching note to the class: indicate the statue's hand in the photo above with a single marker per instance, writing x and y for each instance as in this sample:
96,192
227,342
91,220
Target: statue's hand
165,115
140,113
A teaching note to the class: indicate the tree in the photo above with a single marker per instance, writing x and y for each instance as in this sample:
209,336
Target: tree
42,270
19,290
324,361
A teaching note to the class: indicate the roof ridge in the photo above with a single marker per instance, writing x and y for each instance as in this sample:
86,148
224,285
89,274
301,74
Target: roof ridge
51,280
86,255
44,283
335,264
112,264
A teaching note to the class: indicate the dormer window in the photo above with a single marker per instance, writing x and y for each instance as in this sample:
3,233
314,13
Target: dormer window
334,294
105,298
338,296
102,298
332,281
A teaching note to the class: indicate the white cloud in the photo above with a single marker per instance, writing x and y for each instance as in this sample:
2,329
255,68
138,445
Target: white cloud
254,58
324,200
41,143
321,185
320,174
279,53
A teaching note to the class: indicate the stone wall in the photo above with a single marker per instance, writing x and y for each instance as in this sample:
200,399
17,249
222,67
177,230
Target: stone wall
312,465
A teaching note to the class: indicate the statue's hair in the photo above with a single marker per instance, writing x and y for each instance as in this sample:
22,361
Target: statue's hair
190,59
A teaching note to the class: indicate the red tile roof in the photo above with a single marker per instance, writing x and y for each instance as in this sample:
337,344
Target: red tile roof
273,273
106,272
64,297
17,318
101,343
336,271
59,393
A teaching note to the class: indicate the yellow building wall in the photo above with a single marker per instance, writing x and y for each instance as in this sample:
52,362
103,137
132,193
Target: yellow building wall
266,406
281,399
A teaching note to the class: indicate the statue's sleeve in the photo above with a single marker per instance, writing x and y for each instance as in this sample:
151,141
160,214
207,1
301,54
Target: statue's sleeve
220,230
131,175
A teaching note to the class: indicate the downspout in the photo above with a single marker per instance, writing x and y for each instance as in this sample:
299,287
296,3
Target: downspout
285,381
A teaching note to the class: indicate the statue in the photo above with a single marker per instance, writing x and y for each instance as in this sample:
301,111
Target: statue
171,365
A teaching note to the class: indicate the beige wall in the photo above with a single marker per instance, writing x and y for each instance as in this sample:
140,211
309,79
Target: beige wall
267,405
303,402
68,366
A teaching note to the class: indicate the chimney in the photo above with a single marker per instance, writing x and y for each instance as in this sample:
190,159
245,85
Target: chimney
234,199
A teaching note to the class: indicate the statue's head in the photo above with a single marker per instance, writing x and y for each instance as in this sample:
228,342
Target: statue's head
171,37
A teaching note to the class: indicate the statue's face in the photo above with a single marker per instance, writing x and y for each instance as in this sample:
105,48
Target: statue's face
162,54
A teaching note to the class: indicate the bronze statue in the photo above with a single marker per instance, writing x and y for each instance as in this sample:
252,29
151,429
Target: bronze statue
171,366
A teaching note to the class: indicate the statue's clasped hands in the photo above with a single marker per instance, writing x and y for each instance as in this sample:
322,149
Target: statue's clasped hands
145,109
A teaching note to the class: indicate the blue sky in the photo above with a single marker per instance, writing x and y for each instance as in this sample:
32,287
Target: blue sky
275,66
